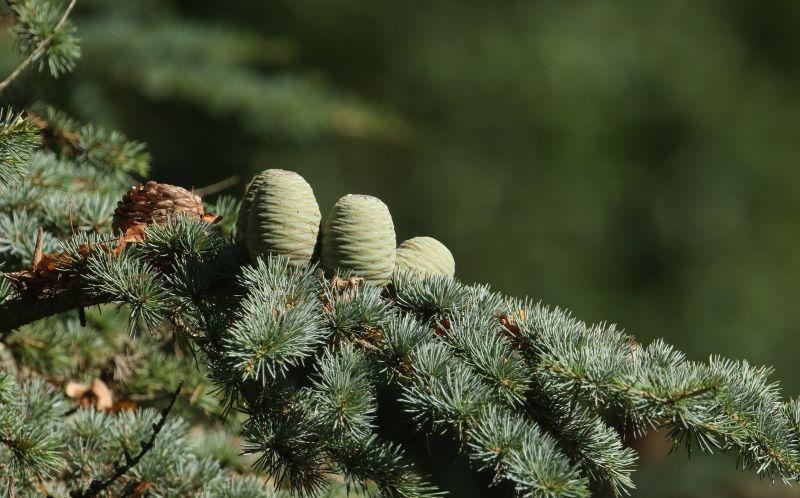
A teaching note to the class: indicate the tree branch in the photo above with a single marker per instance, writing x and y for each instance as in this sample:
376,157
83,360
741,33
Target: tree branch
98,485
30,308
40,49
217,186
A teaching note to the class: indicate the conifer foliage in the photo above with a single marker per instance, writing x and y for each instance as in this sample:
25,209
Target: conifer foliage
282,358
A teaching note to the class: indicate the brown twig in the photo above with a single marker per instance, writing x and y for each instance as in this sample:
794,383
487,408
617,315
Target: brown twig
218,186
39,50
99,485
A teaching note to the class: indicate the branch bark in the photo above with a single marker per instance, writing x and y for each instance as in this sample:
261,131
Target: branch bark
30,308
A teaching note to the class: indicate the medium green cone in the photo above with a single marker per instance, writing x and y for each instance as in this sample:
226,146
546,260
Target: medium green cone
279,215
359,236
425,255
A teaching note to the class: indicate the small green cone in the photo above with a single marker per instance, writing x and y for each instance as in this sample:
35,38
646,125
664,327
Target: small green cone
280,216
425,255
359,236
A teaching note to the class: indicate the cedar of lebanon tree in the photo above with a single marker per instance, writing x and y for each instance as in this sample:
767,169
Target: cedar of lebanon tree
282,335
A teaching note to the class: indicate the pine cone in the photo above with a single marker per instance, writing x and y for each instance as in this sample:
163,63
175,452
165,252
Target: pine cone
279,215
154,202
359,236
425,255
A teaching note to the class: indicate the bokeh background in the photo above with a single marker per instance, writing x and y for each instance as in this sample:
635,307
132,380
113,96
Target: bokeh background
636,162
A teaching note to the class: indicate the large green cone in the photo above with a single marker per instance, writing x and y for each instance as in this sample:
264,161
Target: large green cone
425,255
359,236
280,216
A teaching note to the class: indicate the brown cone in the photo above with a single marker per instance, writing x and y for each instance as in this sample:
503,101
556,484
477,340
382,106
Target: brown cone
154,202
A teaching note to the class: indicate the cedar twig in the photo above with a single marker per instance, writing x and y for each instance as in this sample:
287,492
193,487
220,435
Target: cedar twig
45,293
41,295
218,186
40,49
99,485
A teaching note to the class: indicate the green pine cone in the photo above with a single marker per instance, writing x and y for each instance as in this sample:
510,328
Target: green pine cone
425,255
359,236
280,215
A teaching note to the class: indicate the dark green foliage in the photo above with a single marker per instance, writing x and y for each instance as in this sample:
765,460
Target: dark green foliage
46,443
31,449
18,141
239,75
131,282
352,315
472,379
342,393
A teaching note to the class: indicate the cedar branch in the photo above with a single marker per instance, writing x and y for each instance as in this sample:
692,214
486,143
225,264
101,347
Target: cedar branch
40,49
99,485
28,309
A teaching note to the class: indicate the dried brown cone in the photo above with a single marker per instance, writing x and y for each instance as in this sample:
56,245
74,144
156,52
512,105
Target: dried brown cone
154,202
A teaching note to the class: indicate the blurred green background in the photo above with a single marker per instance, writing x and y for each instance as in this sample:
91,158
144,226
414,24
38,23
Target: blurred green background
636,162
